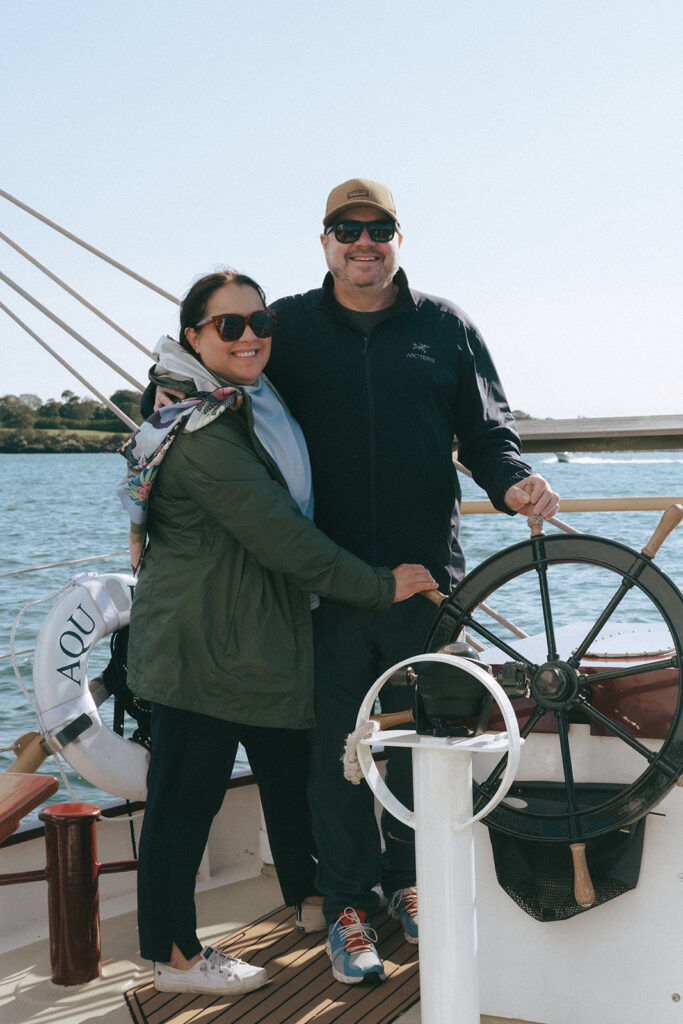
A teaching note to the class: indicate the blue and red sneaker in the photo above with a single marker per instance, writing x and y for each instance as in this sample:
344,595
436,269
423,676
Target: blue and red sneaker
403,907
350,947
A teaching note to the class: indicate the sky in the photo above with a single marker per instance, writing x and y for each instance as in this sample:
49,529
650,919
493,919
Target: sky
534,149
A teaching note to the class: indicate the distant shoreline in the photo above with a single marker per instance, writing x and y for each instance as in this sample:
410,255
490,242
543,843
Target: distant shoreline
30,426
59,442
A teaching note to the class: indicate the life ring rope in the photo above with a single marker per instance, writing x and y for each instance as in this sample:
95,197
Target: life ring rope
13,653
87,609
22,685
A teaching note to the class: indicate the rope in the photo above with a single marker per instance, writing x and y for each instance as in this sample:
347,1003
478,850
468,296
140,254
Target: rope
106,401
58,565
27,650
352,769
90,248
503,621
74,334
563,526
125,819
83,301
53,565
27,694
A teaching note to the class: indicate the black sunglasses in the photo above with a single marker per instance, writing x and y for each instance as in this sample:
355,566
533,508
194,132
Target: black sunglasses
347,231
231,326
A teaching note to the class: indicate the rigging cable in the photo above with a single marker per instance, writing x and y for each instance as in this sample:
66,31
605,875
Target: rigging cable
90,248
75,294
110,405
74,334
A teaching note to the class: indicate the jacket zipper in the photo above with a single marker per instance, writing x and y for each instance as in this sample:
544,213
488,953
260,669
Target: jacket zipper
373,448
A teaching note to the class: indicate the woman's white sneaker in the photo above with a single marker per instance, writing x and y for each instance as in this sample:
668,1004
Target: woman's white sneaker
214,972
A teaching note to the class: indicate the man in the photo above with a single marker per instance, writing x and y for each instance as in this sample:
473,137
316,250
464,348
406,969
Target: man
381,378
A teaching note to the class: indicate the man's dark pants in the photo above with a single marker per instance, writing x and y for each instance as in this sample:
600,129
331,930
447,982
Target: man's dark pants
352,648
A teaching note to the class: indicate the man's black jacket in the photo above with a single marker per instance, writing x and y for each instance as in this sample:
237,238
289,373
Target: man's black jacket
379,413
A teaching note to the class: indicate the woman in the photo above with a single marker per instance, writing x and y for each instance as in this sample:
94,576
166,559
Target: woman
220,635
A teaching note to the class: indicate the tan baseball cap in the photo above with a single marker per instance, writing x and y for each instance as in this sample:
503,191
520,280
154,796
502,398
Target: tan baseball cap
359,192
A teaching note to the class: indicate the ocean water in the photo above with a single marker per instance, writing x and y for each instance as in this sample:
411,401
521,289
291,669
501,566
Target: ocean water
62,507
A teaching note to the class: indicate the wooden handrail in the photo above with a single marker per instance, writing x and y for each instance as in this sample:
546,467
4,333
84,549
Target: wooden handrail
635,504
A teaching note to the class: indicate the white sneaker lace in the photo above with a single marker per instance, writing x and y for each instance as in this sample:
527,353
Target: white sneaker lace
357,937
214,960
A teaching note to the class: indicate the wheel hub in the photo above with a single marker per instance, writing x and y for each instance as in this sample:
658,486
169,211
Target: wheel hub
555,685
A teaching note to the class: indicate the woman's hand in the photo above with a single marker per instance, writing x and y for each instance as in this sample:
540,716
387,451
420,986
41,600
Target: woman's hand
166,396
411,579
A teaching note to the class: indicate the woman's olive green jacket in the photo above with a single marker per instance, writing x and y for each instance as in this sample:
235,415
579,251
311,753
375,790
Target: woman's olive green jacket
221,621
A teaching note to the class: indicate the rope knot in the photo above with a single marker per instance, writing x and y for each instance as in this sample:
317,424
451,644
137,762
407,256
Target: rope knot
352,769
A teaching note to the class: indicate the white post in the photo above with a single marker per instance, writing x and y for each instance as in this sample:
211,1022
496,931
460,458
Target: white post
449,986
443,820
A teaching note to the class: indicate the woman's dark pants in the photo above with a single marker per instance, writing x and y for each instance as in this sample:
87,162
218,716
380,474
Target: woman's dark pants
190,768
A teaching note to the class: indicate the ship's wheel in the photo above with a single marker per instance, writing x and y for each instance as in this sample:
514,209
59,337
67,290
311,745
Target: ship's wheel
570,674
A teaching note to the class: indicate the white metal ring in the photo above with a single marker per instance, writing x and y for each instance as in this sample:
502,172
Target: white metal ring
367,763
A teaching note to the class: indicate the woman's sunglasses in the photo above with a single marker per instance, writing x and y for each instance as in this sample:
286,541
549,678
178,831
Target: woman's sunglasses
231,326
348,231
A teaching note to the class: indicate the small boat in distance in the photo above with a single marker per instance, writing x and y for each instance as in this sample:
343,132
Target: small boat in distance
563,457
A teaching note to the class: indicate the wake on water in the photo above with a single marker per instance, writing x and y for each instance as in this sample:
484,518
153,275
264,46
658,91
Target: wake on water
588,460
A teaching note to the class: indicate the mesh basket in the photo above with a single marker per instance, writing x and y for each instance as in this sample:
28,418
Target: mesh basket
539,876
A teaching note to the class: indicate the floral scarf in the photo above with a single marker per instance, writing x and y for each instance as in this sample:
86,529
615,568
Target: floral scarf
145,452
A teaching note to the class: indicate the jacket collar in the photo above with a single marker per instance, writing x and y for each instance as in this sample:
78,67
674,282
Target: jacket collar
404,300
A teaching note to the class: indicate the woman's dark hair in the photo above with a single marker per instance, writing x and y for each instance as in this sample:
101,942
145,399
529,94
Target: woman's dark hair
193,307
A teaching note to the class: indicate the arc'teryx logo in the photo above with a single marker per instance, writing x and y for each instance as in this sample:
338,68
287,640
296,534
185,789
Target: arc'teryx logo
420,350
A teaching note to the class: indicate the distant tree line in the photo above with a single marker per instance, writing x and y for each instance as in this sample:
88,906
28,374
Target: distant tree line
29,412
27,424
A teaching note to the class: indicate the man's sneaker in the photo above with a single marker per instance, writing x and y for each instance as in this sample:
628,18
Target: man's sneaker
214,972
309,915
351,950
403,907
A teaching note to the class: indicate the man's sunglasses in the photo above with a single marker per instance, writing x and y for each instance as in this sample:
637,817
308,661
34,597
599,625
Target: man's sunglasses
231,326
348,231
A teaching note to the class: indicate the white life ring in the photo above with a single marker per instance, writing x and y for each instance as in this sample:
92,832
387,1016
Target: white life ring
93,607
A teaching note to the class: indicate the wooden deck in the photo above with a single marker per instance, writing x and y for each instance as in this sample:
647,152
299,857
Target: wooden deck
301,988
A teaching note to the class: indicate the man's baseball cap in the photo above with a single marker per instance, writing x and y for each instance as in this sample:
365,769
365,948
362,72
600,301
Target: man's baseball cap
359,192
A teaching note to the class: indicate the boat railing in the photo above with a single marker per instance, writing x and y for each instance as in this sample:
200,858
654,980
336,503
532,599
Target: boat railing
658,503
